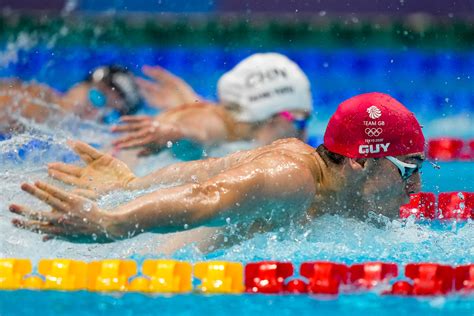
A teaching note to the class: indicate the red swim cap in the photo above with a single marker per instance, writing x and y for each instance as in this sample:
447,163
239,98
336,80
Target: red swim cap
373,125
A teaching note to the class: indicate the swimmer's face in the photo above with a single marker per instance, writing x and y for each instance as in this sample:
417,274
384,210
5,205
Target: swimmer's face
109,99
385,189
92,101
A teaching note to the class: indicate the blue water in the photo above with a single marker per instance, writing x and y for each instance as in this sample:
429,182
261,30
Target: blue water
437,86
28,303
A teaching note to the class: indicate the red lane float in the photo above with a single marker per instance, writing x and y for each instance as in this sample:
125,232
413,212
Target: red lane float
471,148
430,278
451,205
296,286
421,205
324,277
455,205
401,288
367,275
267,276
447,149
464,278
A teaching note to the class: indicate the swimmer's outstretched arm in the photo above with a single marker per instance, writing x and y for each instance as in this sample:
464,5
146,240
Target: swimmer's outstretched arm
104,173
243,193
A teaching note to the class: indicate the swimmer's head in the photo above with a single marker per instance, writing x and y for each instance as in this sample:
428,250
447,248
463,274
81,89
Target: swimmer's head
105,94
265,86
113,88
380,145
373,125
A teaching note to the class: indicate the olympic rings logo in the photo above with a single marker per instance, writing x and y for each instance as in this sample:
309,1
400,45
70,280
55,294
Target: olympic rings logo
373,132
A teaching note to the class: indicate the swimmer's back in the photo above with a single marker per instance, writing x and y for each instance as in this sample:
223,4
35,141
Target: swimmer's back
288,148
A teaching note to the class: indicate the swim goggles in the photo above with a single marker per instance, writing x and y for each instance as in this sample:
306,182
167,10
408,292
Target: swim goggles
299,122
99,100
406,169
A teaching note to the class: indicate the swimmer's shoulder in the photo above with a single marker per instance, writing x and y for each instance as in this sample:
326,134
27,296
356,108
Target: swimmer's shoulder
297,150
290,149
292,144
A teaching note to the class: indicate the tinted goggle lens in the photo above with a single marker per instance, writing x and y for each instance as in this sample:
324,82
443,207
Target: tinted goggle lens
409,172
97,98
300,122
406,170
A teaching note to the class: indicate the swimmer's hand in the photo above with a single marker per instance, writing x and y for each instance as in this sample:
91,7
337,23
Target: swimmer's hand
102,173
147,132
71,216
166,91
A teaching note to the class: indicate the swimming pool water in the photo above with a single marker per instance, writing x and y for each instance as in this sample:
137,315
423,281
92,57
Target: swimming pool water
331,238
444,109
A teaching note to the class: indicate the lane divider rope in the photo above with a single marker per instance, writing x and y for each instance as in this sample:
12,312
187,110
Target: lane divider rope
449,148
223,277
446,206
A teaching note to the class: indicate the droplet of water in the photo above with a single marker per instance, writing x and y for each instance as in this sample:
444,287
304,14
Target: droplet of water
87,207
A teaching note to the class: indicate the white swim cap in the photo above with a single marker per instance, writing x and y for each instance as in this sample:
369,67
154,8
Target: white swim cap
264,85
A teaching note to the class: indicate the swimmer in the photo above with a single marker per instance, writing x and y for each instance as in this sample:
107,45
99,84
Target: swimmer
264,98
106,94
165,90
370,160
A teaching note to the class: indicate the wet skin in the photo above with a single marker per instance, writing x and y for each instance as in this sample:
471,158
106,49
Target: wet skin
286,181
205,124
39,102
